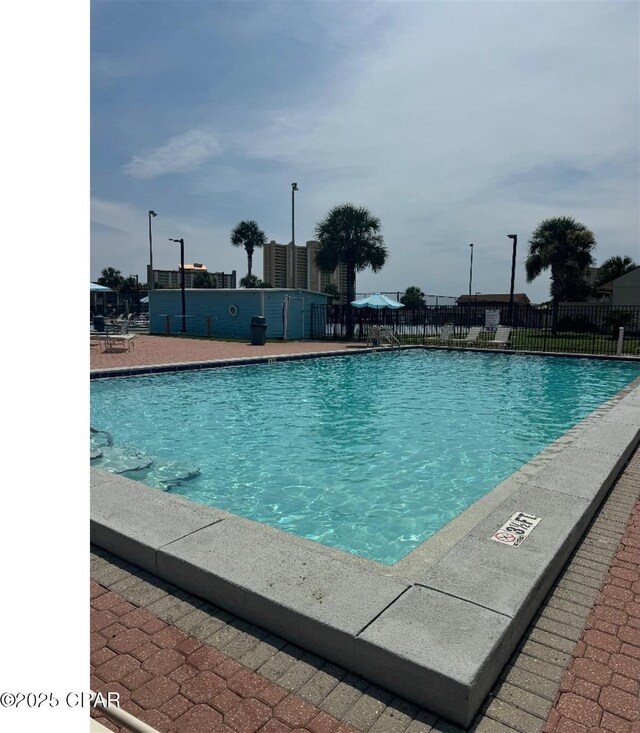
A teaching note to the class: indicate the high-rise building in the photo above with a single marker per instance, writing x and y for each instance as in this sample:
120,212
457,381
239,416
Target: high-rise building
291,266
171,278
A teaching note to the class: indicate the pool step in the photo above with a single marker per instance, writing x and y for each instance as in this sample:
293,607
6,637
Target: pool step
159,473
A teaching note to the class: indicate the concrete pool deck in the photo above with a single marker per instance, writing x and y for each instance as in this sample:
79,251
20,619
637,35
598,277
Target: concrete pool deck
377,621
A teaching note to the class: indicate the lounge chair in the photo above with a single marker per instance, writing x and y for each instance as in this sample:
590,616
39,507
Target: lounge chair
119,328
502,337
471,337
446,333
111,340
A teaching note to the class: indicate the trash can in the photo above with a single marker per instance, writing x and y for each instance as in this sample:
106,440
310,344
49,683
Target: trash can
98,323
258,330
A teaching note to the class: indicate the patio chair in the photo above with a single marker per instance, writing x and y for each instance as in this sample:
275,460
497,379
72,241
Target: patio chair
502,337
111,340
471,338
446,332
119,328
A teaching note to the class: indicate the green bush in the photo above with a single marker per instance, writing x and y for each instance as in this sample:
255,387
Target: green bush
576,323
615,320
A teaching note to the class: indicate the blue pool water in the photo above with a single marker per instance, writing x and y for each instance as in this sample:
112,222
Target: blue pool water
370,453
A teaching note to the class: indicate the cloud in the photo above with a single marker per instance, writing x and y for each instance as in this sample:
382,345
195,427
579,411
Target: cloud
180,154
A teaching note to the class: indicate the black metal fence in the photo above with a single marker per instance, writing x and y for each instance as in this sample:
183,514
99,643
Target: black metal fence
575,329
428,298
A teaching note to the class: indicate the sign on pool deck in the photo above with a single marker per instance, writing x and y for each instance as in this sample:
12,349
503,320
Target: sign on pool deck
516,530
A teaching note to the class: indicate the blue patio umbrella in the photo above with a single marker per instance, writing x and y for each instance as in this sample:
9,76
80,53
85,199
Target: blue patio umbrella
145,299
377,301
95,288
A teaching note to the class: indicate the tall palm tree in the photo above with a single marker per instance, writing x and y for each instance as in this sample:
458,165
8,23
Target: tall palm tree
349,235
614,267
563,246
248,234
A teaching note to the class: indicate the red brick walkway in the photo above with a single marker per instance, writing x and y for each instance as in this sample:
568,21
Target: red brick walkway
175,683
601,688
150,350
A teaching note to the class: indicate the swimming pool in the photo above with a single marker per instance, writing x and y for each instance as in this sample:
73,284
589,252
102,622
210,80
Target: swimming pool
370,453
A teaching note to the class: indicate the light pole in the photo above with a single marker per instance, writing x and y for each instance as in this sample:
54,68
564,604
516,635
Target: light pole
184,306
294,188
471,269
150,274
514,237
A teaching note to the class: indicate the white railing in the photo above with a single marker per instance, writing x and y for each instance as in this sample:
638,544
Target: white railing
121,717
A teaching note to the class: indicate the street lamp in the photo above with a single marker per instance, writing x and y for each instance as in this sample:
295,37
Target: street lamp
184,306
150,274
471,270
514,237
294,188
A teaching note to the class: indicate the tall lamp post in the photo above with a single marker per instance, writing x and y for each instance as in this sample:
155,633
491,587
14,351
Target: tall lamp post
471,270
514,237
294,188
184,305
150,273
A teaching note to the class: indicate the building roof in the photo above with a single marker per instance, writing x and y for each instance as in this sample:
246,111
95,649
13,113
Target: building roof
493,298
195,266
619,280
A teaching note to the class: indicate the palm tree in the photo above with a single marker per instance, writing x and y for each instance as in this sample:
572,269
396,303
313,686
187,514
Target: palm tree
111,278
614,267
413,297
128,285
563,246
349,235
252,281
248,234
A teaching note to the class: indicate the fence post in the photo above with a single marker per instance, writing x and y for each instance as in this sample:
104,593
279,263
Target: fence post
168,326
620,341
208,326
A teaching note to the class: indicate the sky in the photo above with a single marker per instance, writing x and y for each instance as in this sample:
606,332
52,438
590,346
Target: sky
452,122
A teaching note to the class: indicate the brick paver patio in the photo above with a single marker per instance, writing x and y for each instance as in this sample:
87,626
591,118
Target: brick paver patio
181,664
601,688
152,350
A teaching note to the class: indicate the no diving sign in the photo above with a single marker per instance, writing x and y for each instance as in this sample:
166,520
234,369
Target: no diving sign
516,530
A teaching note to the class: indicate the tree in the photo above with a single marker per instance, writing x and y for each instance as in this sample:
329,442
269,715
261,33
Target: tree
413,297
111,278
614,267
128,286
563,246
248,234
253,281
203,280
332,291
349,235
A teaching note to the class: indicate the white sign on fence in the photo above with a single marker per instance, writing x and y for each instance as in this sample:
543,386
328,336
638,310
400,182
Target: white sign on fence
491,319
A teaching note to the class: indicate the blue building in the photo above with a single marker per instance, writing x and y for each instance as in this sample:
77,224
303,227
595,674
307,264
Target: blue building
228,313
